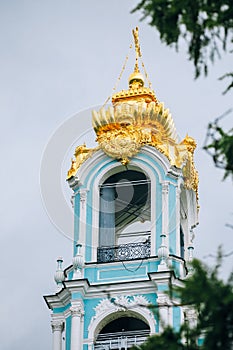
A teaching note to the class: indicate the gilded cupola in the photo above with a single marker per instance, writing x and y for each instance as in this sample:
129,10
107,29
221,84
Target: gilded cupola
135,119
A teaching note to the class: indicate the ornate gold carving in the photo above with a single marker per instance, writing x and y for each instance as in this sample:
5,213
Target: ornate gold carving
136,92
190,173
123,129
121,143
81,154
136,119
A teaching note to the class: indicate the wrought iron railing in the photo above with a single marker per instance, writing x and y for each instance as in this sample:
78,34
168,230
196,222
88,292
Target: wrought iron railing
120,340
122,252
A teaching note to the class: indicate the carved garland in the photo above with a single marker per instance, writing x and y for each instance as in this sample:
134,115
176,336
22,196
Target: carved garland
130,304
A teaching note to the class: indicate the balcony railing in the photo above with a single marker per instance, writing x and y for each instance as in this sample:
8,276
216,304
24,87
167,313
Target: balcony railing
120,340
130,251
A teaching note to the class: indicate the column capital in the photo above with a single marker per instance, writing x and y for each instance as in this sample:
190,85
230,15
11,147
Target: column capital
162,299
165,187
77,310
57,325
83,193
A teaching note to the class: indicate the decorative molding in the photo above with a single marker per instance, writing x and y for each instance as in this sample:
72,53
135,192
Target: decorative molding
120,303
107,310
57,325
77,310
165,187
83,196
163,300
72,200
74,182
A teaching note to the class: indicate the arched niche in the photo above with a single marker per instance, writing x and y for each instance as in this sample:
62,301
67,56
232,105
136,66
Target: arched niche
94,172
123,306
125,199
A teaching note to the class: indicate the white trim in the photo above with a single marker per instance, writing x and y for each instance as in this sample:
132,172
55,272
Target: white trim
107,311
178,251
100,161
82,215
165,212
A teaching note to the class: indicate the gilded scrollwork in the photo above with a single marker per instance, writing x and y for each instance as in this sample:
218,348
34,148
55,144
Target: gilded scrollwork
81,154
135,119
126,127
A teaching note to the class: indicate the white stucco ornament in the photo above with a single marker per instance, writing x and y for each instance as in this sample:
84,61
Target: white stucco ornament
131,305
120,303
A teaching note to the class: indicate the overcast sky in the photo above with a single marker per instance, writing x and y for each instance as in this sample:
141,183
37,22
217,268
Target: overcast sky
59,58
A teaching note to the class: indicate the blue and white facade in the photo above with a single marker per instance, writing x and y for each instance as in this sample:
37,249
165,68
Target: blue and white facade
135,208
110,285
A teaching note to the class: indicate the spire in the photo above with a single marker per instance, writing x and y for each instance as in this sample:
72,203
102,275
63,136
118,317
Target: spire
136,77
137,48
137,91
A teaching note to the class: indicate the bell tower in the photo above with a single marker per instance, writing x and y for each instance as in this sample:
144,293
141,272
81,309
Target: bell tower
135,208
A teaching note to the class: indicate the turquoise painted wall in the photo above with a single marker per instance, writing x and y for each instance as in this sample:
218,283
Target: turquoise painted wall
89,305
68,332
176,318
59,310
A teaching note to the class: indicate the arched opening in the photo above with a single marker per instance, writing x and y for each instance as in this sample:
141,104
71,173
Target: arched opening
124,217
122,333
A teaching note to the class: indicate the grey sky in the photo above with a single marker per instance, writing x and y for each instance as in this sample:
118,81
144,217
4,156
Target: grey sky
57,58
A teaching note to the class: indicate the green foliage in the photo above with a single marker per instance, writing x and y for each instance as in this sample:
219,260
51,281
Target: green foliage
205,25
221,148
212,301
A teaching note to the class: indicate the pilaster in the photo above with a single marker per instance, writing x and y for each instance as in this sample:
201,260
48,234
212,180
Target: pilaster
165,311
165,216
178,220
77,313
82,218
57,329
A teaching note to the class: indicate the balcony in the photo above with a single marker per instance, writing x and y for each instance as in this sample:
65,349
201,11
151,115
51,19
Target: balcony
120,340
130,251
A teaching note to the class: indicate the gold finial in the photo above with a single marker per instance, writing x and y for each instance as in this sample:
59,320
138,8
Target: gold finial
137,48
136,91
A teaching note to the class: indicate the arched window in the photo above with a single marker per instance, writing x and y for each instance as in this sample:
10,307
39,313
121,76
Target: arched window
125,215
123,332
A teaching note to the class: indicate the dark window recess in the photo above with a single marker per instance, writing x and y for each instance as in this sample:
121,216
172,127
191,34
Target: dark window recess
124,199
181,243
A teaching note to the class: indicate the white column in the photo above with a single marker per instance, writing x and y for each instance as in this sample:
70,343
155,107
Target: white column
165,216
82,218
76,314
178,252
57,328
163,311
